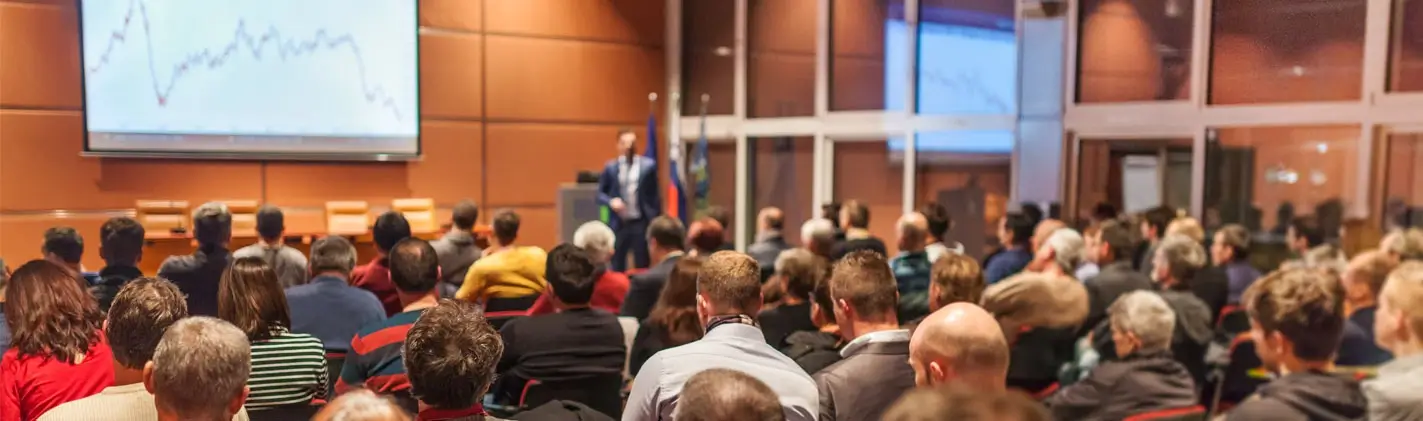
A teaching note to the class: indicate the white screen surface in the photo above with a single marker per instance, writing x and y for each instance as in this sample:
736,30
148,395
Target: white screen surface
300,77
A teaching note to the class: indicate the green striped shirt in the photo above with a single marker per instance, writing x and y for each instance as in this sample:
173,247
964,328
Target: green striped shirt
288,369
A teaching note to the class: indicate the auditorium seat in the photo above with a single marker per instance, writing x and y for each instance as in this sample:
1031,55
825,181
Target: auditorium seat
630,326
244,217
419,212
162,216
347,217
1194,413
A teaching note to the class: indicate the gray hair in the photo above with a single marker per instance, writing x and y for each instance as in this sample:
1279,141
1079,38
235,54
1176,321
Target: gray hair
1068,248
595,237
201,364
1184,256
817,230
332,253
212,224
1406,244
362,405
1145,315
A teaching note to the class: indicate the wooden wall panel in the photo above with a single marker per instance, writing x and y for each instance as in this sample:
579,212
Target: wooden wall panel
547,80
865,173
527,162
449,171
23,235
781,85
461,15
39,46
450,76
315,183
624,21
538,225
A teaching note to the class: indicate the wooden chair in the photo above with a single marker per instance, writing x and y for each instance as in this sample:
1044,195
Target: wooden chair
162,216
244,216
347,217
419,212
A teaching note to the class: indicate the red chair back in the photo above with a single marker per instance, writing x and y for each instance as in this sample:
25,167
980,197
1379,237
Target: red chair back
1194,413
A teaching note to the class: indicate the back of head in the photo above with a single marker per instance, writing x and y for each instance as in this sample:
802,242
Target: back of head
720,394
1237,237
464,215
731,283
332,253
667,233
1067,246
450,355
1020,226
719,214
596,238
270,222
959,279
143,309
1307,228
818,233
361,405
864,281
414,267
913,231
857,214
966,337
830,211
958,403
1032,211
64,243
1370,269
1159,218
390,228
1181,257
938,220
771,218
1146,316
1403,297
199,368
799,270
50,313
706,235
1187,226
1306,306
506,226
212,224
1104,211
121,240
571,274
1118,238
1036,300
250,298
676,310
1407,245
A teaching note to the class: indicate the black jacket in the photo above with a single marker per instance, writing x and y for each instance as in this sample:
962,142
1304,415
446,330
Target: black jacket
863,385
813,351
1212,286
1119,389
644,288
846,247
197,276
111,280
1102,290
780,322
1307,396
1189,341
1035,357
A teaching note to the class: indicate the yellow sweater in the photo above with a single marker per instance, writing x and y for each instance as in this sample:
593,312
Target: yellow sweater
508,273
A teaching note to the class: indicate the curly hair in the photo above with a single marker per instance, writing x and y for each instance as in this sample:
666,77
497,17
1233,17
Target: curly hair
450,355
49,313
1305,305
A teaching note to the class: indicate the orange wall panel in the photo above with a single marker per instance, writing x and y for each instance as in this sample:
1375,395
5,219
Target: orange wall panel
450,79
534,79
39,49
21,237
864,172
460,15
538,225
625,21
315,183
527,162
451,169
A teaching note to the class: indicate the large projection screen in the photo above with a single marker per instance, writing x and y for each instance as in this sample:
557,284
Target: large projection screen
292,79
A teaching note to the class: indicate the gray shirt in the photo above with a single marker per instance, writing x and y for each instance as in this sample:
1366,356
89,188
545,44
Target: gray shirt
456,252
1393,395
732,346
287,262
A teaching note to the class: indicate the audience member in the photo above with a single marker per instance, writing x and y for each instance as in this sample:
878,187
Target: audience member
830,211
1209,283
1059,254
1104,212
1303,234
721,394
199,371
818,236
1111,248
1145,378
1187,226
1404,245
1230,251
912,267
390,228
1297,319
1033,211
665,240
596,239
121,246
770,241
1015,232
955,278
198,274
965,404
456,249
960,344
1040,315
939,222
872,374
328,307
722,216
1153,228
4,325
64,246
705,237
287,262
1362,281
451,353
1393,395
288,368
574,348
1044,229
1177,262
674,320
58,352
509,277
855,220
797,273
729,293
817,349
361,405
375,361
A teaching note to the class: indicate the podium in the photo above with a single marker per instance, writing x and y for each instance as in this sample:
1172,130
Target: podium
577,204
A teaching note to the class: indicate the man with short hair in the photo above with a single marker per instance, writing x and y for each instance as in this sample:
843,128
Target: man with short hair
121,247
1111,248
939,222
199,274
1404,245
1043,230
1178,261
955,278
1230,251
457,249
199,371
966,404
596,239
1039,314
509,277
628,187
1059,254
818,236
769,241
720,394
328,307
666,238
287,262
1153,227
375,360
959,344
816,349
390,228
872,374
912,266
64,246
1297,319
1393,394
1363,279
855,220
797,272
1303,235
1015,232
728,294
451,354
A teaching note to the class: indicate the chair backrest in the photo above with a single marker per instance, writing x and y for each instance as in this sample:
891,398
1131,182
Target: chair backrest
335,361
1193,413
244,216
630,326
419,212
161,216
1233,320
602,393
347,217
1237,383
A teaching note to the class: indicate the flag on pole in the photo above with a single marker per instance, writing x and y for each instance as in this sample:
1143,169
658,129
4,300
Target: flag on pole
676,189
700,173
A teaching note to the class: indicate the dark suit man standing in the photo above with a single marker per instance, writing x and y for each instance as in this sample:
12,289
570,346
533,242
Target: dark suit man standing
667,237
628,186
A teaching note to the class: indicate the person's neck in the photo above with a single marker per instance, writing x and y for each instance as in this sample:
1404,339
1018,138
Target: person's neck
1295,365
418,302
830,328
273,242
853,233
660,254
1055,270
118,264
1168,283
561,307
790,300
865,327
332,274
164,415
124,376
912,248
1406,348
1359,303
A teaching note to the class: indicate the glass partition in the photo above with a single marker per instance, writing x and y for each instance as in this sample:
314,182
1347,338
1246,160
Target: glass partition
1134,50
1279,51
782,174
968,172
1406,52
708,56
780,68
865,171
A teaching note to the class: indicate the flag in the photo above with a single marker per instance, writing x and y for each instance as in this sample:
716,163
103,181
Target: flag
700,173
676,190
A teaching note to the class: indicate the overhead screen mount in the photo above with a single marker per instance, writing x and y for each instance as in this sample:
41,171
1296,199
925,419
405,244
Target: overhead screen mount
251,79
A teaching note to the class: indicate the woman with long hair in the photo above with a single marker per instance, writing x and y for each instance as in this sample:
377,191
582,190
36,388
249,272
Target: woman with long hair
288,368
673,321
58,352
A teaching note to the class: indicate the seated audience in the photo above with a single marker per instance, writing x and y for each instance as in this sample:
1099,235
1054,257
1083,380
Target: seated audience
965,404
704,237
1211,283
855,220
813,350
361,405
1230,251
288,368
1393,395
1362,281
58,352
4,326
199,371
1404,245
960,344
665,239
1059,254
1153,228
830,211
1187,226
287,262
1015,232
509,277
674,320
573,348
121,246
818,236
769,240
451,353
198,274
911,267
1111,248
955,278
797,273
64,246
939,222
722,216
456,249
390,228
729,294
720,394
1042,231
1297,319
1178,260
328,307
1040,315
1145,378
596,239
375,361
873,373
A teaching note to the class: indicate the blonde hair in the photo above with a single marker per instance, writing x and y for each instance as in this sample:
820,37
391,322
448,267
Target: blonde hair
1188,227
1404,292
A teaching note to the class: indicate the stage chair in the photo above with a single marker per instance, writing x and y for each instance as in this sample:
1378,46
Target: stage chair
419,212
244,217
162,216
347,217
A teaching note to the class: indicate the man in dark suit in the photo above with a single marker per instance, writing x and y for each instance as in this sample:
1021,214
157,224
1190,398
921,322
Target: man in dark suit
666,237
1111,249
198,274
873,373
629,188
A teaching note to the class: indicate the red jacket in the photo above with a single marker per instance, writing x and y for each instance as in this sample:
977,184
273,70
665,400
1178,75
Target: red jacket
608,293
32,385
375,277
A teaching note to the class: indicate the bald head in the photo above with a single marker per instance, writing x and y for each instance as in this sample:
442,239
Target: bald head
960,343
771,219
1045,230
913,231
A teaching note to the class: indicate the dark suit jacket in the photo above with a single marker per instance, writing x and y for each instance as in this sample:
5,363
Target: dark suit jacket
644,288
649,199
197,276
863,385
1212,286
1102,290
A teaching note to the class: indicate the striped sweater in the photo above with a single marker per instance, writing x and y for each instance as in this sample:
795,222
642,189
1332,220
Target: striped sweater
288,369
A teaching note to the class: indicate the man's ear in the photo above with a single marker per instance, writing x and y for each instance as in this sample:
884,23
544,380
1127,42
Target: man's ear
148,377
237,401
937,373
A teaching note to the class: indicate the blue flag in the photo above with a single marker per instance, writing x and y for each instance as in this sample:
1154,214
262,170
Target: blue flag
700,172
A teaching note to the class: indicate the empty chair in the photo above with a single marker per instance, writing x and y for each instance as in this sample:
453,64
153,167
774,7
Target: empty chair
347,217
420,213
158,216
244,217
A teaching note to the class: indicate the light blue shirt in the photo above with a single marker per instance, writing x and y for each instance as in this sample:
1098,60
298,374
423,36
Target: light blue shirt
630,175
897,335
1087,271
732,346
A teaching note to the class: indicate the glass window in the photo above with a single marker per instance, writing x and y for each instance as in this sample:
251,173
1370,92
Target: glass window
1132,175
1403,184
1274,51
1134,50
782,173
1406,68
865,171
967,57
861,32
708,56
969,173
780,67
1264,177
721,190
